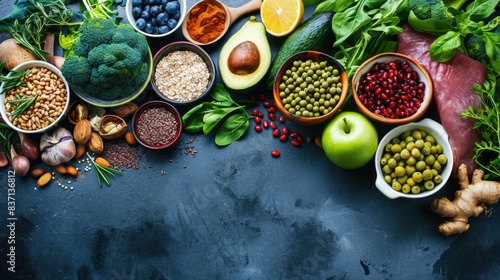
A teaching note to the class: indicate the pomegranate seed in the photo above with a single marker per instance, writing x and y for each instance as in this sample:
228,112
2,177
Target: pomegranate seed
284,130
275,153
267,104
273,125
282,119
258,128
258,120
276,133
296,143
283,137
271,116
255,112
265,124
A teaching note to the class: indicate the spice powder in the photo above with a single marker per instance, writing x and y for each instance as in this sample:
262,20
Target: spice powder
182,76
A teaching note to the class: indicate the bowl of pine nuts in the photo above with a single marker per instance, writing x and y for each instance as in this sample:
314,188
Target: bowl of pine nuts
34,97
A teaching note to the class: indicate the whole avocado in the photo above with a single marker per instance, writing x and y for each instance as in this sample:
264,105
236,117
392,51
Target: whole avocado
314,34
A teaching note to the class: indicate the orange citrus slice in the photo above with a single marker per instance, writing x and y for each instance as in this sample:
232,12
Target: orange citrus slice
281,17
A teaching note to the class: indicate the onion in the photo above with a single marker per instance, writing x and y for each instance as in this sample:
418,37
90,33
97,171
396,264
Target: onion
20,164
29,147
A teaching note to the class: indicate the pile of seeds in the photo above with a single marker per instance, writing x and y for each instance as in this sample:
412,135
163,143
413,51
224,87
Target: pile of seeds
51,98
156,126
121,155
182,76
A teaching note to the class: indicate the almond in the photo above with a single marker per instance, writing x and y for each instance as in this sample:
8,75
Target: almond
37,172
82,131
125,110
129,137
80,150
61,169
72,171
44,179
96,144
102,162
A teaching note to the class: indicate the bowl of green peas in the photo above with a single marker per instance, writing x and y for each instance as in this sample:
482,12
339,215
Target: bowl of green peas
414,160
310,87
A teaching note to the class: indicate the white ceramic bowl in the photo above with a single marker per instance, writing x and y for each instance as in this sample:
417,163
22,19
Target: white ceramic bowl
386,58
131,20
433,128
28,65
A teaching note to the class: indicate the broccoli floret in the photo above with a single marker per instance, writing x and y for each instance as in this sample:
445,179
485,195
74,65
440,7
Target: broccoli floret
427,9
113,62
76,70
97,31
476,48
126,34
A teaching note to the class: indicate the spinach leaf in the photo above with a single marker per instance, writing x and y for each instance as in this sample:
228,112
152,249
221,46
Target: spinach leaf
232,129
214,117
443,48
192,120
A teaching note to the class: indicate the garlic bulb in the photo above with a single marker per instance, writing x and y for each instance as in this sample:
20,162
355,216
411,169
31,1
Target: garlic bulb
57,146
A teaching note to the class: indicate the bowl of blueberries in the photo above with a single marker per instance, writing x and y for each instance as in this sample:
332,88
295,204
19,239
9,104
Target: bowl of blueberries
155,18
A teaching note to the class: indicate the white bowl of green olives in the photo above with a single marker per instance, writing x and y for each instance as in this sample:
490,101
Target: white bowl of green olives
414,160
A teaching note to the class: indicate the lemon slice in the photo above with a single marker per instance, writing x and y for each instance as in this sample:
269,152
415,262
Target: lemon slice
281,17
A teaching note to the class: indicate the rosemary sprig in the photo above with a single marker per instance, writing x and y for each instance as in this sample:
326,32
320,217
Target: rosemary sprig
21,105
6,136
102,172
13,79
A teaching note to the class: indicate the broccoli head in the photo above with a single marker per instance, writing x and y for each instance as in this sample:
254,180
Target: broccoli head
108,59
427,9
76,70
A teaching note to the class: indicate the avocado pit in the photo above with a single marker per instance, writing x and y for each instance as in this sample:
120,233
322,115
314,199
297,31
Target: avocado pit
244,59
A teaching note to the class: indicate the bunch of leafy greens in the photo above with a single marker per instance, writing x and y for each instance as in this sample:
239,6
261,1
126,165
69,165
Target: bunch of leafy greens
32,20
487,151
468,21
207,115
364,28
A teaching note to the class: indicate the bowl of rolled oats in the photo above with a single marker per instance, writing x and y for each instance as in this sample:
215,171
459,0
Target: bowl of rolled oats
183,73
38,101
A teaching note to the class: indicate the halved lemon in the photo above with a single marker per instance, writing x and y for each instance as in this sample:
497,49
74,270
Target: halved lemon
281,17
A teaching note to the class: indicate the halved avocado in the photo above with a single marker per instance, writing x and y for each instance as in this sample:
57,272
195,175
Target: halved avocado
245,58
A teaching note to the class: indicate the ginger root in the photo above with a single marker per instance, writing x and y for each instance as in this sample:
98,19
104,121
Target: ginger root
469,201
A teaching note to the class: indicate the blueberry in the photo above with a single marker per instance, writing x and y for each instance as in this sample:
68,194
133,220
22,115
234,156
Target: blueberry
163,29
147,8
148,28
163,2
154,22
155,10
155,30
172,7
140,23
177,15
136,3
158,1
145,15
151,2
172,23
162,18
136,12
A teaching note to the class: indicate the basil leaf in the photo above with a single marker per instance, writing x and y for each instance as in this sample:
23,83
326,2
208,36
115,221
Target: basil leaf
443,48
232,129
481,9
492,46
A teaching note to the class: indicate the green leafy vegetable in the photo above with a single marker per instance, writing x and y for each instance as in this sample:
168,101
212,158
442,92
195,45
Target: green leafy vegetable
6,136
487,151
363,29
102,172
206,116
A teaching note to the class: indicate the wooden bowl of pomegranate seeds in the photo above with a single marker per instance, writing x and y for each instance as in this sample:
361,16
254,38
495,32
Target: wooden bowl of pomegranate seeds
392,88
37,104
156,125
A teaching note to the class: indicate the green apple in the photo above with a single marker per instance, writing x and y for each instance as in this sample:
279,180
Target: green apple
349,140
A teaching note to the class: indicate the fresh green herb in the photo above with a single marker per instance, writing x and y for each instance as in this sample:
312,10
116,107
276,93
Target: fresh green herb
487,123
13,79
102,172
6,136
363,28
99,8
21,105
207,115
